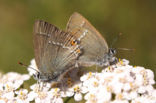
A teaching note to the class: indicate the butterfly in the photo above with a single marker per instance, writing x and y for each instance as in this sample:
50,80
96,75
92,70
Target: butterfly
55,51
95,50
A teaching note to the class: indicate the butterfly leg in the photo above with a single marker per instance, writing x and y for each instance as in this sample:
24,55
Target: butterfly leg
41,86
38,85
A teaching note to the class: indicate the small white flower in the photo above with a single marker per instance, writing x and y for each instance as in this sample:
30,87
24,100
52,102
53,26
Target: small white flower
117,87
90,98
139,80
55,95
150,77
34,66
76,90
103,95
2,101
127,86
12,76
6,92
137,69
15,79
56,100
78,97
154,93
106,78
40,95
8,95
32,95
92,84
35,87
37,94
68,93
25,77
87,76
22,96
141,100
8,87
126,62
18,83
120,101
130,96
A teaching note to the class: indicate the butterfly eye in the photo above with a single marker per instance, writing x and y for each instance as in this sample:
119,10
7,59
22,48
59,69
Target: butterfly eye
112,51
36,75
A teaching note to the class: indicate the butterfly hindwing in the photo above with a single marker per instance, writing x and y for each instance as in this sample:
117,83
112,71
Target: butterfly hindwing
53,50
93,44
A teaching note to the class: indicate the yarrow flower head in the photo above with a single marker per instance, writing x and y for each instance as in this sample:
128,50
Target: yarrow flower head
9,83
32,65
118,83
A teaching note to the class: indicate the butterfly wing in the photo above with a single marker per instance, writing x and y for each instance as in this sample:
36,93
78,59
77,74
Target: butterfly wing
53,50
93,44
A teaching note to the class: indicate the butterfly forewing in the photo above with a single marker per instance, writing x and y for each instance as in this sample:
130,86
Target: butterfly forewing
93,44
53,50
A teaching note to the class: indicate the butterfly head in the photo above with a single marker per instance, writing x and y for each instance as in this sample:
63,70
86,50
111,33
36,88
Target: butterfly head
112,51
46,77
112,59
37,76
108,58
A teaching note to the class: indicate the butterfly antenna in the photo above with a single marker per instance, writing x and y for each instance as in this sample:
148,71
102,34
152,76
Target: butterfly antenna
115,39
24,65
125,49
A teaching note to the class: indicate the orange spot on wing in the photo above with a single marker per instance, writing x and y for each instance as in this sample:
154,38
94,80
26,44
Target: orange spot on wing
73,42
78,51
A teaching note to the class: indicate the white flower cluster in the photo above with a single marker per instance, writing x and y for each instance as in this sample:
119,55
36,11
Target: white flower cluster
119,83
10,84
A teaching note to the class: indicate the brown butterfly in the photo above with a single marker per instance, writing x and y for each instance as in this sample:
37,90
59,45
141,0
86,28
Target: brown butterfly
95,50
55,51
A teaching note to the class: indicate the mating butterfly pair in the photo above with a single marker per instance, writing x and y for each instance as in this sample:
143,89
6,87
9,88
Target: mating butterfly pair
58,51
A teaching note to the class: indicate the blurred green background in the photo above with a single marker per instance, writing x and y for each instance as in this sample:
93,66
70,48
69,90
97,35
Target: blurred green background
135,19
